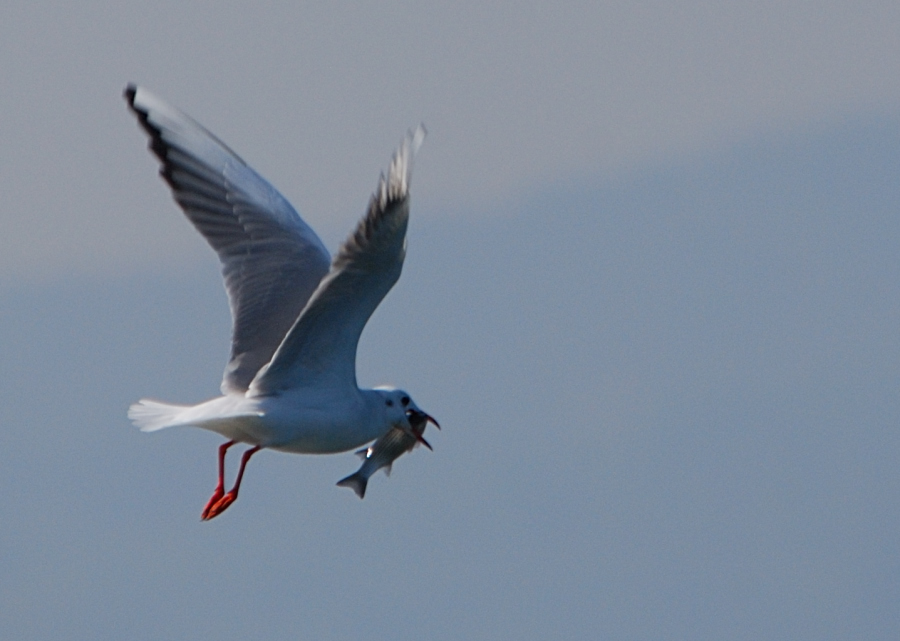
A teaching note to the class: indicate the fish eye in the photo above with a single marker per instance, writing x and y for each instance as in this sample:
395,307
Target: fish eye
389,403
405,401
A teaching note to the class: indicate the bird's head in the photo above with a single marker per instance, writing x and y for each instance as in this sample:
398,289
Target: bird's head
401,411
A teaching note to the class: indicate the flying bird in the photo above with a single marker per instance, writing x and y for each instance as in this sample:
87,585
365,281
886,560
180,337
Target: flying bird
290,383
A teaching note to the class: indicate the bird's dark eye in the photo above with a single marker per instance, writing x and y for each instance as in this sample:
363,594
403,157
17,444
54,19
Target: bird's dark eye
389,403
405,401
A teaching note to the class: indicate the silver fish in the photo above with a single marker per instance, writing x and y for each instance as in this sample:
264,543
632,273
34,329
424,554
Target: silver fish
388,448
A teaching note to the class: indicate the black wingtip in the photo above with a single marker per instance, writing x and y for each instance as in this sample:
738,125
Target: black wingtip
156,144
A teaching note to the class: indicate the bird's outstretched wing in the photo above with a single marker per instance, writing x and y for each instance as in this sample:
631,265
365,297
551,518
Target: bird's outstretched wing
272,261
320,349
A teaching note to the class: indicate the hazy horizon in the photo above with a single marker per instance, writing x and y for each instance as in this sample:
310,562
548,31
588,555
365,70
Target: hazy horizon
652,294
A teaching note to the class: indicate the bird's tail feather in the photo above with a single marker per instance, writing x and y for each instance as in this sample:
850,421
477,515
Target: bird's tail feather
150,416
356,482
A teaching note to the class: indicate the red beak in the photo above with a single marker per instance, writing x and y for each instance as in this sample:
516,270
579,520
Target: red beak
419,417
418,420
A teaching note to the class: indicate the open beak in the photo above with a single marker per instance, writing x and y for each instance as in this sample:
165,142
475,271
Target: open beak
418,417
418,420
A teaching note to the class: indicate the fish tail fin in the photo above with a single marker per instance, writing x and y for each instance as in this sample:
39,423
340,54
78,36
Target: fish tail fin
356,482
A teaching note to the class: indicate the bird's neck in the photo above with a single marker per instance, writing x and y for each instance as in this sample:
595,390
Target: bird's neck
375,425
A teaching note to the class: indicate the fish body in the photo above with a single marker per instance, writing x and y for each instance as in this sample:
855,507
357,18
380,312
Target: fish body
387,449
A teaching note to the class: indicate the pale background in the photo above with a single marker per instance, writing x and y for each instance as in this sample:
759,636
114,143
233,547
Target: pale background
652,294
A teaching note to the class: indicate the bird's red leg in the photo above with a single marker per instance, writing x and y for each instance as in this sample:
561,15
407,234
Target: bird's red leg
220,486
222,504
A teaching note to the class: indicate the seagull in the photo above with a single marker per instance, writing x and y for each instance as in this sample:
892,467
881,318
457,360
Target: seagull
297,314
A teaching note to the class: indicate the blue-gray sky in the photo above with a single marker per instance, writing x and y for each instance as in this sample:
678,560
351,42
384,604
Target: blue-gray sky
652,293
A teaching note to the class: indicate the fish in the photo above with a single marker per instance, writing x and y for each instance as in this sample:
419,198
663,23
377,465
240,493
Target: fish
387,449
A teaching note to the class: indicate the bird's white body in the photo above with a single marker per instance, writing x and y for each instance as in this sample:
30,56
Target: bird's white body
302,421
290,384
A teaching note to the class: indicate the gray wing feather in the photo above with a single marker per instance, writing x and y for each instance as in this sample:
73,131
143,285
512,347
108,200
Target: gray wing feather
272,261
320,349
